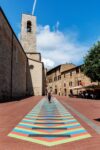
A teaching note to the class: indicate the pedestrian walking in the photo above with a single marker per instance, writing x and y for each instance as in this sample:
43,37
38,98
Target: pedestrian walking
49,97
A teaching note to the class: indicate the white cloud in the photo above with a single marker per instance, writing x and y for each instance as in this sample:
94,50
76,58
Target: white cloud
58,47
48,63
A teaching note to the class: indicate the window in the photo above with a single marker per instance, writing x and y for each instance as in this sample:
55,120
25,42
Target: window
64,84
55,78
77,70
59,77
29,26
55,86
50,88
79,82
70,83
31,66
64,75
65,92
55,91
70,74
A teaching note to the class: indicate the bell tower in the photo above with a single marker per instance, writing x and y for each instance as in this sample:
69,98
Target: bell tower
35,77
28,33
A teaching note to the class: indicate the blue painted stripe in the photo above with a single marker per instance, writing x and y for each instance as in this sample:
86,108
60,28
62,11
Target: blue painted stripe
28,121
29,132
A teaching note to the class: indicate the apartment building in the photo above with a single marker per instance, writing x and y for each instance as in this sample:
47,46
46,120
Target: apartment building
71,80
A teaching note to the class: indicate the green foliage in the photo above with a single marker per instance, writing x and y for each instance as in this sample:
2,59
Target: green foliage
91,66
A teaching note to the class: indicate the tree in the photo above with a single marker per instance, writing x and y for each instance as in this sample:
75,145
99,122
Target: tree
91,66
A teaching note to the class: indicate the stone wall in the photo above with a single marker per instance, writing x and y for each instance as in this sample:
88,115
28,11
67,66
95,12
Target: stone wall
44,89
65,67
28,39
5,58
19,64
36,72
14,72
35,56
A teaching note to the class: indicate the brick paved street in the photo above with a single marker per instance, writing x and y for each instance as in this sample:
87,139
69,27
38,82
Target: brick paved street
13,112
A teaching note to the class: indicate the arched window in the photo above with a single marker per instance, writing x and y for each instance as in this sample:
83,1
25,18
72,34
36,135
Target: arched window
29,26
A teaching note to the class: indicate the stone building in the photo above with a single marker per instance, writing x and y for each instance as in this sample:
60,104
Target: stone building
28,41
74,80
21,70
65,82
54,78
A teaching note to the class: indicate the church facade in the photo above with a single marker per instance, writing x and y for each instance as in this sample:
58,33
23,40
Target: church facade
21,71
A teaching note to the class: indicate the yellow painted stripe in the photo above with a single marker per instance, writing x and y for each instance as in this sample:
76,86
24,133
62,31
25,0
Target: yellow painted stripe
50,143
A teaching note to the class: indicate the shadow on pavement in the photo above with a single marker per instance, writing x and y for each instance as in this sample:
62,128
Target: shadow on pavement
98,119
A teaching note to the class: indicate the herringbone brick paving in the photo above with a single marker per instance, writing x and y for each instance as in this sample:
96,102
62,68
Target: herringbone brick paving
12,113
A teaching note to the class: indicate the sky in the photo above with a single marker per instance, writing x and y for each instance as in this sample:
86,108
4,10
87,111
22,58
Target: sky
66,29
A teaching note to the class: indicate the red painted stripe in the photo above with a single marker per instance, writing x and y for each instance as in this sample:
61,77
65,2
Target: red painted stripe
18,133
79,134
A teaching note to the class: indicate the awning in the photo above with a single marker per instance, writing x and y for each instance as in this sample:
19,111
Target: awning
76,87
90,85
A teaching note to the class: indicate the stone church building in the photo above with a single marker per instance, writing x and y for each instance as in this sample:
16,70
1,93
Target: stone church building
28,41
21,71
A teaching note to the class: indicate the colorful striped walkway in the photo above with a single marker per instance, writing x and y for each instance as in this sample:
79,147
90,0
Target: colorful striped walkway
49,124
